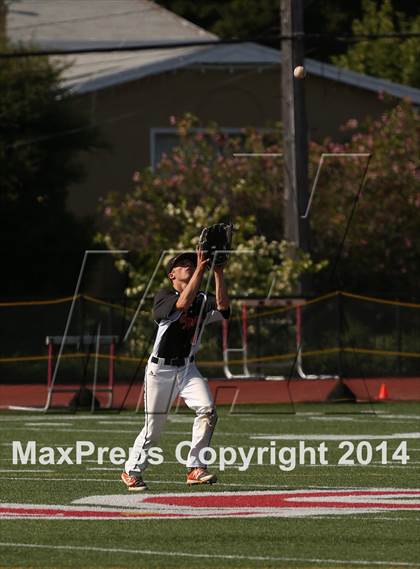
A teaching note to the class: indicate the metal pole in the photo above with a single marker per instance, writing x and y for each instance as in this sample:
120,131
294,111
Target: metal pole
50,362
3,21
399,338
340,334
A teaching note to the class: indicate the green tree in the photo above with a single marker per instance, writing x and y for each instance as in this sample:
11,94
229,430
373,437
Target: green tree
200,183
261,20
382,248
395,59
42,136
231,18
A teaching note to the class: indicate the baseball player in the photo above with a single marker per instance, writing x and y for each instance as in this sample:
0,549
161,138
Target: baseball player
181,314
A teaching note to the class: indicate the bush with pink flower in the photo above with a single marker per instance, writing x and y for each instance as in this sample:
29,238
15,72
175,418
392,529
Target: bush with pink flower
201,182
375,256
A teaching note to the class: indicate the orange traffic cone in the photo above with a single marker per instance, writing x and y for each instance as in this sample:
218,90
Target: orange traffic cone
383,394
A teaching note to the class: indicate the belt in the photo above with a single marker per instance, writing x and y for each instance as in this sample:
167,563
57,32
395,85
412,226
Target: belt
178,362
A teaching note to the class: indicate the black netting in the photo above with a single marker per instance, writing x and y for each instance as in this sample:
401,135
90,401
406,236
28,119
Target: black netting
340,334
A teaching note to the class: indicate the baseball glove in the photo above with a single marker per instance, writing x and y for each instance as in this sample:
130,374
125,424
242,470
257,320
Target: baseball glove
214,241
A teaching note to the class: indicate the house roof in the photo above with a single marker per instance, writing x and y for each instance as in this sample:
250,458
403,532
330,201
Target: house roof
362,81
75,24
70,22
82,24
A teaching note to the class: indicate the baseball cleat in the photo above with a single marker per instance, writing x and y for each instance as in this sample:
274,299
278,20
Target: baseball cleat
200,475
133,483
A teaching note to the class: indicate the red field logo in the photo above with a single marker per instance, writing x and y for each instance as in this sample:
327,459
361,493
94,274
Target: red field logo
286,503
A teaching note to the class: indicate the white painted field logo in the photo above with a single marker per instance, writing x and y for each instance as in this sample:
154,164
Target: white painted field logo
288,504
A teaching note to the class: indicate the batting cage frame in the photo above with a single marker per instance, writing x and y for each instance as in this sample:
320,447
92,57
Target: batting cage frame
52,374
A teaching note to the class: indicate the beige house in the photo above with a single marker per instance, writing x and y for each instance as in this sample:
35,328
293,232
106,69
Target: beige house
132,94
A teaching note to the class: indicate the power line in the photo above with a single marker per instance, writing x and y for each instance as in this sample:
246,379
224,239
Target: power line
115,48
204,43
361,37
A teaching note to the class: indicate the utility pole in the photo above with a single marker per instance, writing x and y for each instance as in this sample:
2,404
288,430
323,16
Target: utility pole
295,131
3,21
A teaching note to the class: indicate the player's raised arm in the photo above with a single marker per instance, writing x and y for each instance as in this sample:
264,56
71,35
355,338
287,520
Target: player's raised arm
190,291
222,298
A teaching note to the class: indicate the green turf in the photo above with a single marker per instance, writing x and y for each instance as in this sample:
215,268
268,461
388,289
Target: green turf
376,539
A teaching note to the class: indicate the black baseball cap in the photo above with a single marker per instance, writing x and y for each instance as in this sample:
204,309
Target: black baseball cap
176,260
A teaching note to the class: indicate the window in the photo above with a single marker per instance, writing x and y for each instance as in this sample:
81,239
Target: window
163,140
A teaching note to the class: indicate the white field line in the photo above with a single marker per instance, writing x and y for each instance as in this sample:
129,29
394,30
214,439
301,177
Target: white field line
24,470
376,519
340,437
181,418
396,416
151,552
77,430
374,464
296,472
371,415
279,417
238,464
140,420
117,480
330,418
113,468
171,419
136,431
301,416
166,482
47,424
370,421
407,519
67,417
402,465
267,436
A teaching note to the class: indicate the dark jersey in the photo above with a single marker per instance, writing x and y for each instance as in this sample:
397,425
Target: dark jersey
178,334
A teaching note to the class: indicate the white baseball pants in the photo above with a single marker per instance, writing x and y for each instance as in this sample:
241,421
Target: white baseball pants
163,384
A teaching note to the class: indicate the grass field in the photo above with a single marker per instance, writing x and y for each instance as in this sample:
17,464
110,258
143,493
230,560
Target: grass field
386,536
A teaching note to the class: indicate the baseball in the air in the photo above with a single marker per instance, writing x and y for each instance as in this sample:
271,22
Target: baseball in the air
299,72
